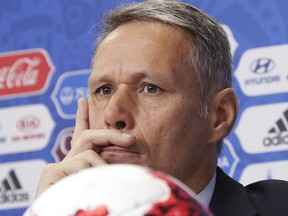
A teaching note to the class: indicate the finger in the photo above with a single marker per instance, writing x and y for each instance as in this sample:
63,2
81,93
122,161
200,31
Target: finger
82,120
53,172
91,139
92,158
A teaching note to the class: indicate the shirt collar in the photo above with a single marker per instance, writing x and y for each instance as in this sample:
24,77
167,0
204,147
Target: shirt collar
206,194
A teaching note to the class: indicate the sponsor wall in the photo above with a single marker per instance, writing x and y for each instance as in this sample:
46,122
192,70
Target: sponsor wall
45,55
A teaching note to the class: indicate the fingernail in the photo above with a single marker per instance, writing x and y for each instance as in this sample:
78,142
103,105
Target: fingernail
126,135
80,100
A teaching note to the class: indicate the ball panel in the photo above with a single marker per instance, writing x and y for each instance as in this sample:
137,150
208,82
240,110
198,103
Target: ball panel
120,189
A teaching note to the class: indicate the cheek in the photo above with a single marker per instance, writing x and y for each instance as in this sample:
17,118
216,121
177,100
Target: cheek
171,127
164,127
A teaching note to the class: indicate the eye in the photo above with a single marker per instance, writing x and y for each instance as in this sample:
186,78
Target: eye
105,90
151,88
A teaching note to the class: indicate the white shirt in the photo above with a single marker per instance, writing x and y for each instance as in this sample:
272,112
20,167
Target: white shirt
206,194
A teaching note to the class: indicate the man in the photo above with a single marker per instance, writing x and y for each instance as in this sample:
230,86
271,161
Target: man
161,97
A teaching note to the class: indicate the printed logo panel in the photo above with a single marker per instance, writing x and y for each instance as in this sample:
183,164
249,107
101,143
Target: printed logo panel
264,129
24,72
25,128
263,171
228,159
69,88
18,183
63,144
263,71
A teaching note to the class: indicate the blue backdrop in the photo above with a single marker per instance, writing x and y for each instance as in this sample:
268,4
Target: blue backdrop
45,55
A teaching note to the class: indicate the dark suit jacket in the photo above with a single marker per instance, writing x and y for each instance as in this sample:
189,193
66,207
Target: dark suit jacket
263,198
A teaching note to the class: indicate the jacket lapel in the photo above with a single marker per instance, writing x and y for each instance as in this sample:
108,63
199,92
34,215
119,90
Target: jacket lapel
230,198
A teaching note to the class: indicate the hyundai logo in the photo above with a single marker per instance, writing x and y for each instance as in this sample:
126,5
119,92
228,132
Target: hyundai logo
262,65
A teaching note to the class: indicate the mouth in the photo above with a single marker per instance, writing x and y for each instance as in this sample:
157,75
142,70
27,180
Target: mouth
113,148
116,154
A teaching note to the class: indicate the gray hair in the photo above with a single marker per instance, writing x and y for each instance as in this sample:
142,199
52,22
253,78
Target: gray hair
211,58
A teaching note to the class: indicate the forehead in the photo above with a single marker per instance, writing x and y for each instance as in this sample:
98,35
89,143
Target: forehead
154,33
144,45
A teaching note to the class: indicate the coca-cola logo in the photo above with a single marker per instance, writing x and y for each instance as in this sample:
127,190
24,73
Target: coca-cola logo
28,123
24,72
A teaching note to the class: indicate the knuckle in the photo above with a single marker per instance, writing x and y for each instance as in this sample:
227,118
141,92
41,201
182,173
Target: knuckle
90,152
85,132
50,166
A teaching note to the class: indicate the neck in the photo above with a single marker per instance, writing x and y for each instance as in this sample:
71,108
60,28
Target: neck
203,173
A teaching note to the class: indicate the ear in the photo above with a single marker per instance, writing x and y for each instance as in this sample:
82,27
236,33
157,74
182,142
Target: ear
223,113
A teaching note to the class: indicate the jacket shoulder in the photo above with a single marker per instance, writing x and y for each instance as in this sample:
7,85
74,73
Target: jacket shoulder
269,197
230,197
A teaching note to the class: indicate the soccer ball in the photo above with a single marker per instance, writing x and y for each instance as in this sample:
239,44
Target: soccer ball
119,189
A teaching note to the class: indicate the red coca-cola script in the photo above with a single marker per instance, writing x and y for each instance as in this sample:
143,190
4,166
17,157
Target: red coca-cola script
24,72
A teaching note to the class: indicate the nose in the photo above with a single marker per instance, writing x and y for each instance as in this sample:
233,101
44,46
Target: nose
119,111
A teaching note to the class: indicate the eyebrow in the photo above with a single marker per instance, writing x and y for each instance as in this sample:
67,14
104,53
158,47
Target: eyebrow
108,77
135,76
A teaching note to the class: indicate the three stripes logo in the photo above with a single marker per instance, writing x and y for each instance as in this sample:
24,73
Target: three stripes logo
278,135
11,190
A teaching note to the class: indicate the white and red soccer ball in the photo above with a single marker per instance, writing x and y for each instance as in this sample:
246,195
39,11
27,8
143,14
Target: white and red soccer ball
118,190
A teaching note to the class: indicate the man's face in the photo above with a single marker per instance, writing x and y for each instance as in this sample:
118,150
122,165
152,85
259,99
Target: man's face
143,85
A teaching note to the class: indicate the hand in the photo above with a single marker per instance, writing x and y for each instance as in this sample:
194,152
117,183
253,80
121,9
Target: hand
83,149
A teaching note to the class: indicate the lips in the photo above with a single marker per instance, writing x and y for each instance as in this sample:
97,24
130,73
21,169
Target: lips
115,154
110,148
113,149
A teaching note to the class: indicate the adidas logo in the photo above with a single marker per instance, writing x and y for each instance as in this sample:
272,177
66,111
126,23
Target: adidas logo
11,190
10,183
279,133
